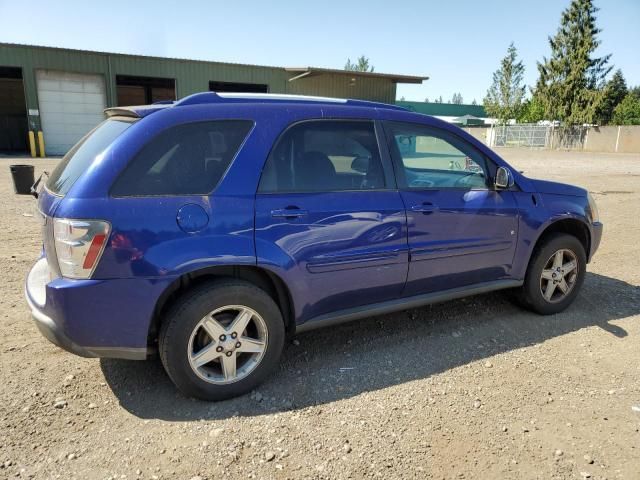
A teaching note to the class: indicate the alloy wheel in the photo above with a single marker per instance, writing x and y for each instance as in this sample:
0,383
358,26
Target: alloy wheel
227,344
559,275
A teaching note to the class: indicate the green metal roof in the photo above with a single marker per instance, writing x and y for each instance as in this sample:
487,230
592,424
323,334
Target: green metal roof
444,109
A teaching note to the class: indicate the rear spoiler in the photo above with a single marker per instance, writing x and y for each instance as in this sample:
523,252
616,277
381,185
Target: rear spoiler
121,112
137,111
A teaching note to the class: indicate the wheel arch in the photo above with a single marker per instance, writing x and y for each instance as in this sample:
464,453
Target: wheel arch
569,225
268,281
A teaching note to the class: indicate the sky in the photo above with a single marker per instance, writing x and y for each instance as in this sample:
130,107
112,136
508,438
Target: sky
457,43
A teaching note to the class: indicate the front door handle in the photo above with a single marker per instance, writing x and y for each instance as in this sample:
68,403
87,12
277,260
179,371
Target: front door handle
426,208
289,212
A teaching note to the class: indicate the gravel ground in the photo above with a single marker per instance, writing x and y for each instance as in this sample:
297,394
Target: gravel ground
475,388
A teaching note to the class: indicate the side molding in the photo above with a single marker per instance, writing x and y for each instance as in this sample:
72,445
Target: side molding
390,306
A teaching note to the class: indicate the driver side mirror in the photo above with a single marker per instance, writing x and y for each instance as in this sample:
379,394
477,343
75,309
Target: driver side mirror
504,178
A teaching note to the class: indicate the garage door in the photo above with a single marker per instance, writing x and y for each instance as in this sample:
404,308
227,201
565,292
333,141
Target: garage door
70,105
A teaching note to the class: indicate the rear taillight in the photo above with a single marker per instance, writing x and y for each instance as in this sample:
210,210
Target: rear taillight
79,245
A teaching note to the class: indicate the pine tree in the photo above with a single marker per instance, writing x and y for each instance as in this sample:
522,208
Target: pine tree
504,98
362,65
457,99
570,81
614,92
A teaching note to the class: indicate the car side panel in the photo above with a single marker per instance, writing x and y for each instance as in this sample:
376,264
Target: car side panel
469,239
349,248
538,212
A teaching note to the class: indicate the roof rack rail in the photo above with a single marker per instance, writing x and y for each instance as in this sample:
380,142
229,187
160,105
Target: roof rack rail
199,99
204,98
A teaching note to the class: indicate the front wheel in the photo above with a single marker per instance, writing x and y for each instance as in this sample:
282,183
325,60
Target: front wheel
221,340
555,274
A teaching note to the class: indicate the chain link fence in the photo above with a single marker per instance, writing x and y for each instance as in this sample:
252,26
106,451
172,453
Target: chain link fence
521,136
537,136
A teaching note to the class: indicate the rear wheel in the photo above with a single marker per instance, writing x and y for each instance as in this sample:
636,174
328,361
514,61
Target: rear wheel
555,274
221,340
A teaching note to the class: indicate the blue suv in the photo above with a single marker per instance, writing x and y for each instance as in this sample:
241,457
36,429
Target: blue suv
210,229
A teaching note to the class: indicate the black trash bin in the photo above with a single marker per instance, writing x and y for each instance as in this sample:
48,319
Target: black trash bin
23,178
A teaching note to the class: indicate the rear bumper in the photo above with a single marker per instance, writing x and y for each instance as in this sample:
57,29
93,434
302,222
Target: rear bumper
50,330
93,318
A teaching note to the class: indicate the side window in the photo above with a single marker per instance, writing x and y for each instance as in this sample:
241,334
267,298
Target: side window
324,156
187,159
434,158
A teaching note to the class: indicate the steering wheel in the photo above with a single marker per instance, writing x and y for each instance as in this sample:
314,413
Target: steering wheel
421,183
464,180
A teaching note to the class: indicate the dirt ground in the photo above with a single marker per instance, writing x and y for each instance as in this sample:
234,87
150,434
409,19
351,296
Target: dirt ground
471,389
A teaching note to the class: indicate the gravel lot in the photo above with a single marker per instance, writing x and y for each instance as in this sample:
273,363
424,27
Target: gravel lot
469,389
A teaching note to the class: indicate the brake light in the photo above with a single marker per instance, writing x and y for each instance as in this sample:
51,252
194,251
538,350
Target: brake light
79,245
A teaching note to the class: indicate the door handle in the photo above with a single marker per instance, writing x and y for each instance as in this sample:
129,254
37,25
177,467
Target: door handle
426,208
289,212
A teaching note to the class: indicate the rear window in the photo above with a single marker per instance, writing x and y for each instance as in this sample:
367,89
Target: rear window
187,159
79,158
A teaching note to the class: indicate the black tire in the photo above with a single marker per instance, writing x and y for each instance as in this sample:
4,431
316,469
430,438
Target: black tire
183,317
530,294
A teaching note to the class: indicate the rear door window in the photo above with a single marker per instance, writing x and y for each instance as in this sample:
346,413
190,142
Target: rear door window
188,159
81,156
325,156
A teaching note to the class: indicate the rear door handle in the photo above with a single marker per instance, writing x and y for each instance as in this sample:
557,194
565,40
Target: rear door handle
289,212
425,208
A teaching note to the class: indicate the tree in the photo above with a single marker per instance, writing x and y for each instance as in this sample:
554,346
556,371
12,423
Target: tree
504,98
402,99
532,111
628,110
570,80
457,99
362,65
426,100
439,99
614,92
474,102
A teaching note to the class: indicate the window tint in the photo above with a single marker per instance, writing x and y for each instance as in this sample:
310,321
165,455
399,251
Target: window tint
433,158
324,156
79,158
183,160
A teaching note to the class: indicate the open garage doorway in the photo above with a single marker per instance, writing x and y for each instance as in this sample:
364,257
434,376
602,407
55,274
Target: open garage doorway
14,125
238,87
134,90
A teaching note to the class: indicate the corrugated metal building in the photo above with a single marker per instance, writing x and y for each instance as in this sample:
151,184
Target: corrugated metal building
63,92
